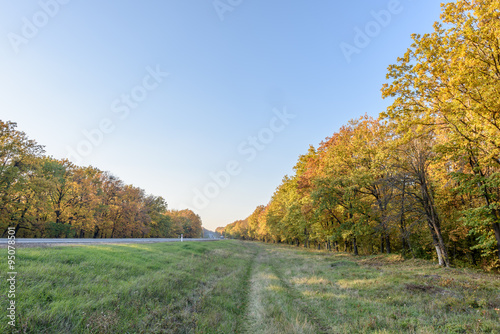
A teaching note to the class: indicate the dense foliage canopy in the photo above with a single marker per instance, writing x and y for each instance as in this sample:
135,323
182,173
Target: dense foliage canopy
422,179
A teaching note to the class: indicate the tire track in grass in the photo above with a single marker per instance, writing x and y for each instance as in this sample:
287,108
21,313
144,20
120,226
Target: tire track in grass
264,314
247,292
272,306
252,316
295,297
187,314
237,291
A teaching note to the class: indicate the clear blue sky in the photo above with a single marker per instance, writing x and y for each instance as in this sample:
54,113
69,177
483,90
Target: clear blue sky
72,66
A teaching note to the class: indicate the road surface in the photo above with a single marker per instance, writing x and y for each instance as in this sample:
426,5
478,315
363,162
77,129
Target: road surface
89,241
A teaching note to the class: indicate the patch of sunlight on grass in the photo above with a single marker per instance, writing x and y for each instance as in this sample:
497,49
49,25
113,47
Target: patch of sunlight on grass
310,280
275,288
302,326
268,276
348,284
310,293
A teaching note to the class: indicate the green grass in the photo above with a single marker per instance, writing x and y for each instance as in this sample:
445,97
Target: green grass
299,291
144,288
243,287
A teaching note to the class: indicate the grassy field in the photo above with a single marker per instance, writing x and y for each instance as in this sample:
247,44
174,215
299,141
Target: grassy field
243,287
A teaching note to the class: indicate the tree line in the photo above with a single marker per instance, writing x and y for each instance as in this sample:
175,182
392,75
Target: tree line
44,197
423,178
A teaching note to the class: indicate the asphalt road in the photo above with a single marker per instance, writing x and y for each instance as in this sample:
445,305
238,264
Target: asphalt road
41,242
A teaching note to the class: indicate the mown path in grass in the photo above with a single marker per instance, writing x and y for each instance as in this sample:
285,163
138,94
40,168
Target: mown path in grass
274,305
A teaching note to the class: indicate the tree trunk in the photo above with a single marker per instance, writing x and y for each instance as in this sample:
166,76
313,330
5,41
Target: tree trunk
433,221
355,246
439,255
411,248
435,241
58,216
96,232
496,228
442,247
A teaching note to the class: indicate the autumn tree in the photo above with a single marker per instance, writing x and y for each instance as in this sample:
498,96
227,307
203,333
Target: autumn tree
253,223
44,197
450,80
18,163
185,222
